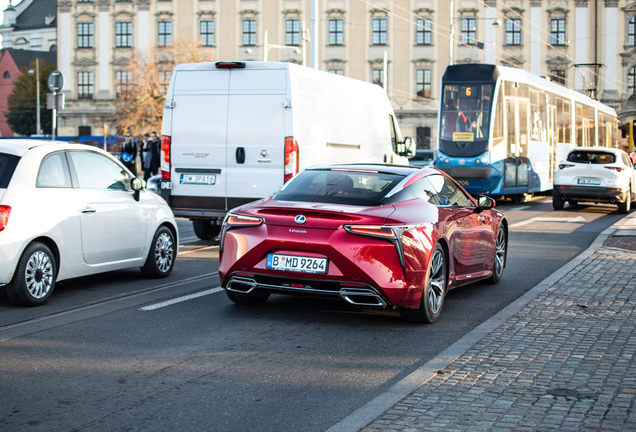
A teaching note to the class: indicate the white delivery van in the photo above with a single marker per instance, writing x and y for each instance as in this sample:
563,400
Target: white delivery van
234,132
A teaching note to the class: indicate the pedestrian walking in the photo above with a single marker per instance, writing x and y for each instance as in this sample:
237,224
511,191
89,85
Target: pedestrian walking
144,148
128,154
151,163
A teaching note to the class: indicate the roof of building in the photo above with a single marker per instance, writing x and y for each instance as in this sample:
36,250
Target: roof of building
23,58
39,14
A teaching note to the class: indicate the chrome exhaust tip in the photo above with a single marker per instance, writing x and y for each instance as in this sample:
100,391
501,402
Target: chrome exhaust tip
362,297
613,200
241,285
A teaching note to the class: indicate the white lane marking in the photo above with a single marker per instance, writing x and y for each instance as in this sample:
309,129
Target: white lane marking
520,208
180,299
577,219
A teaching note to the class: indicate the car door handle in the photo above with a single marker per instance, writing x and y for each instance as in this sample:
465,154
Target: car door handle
88,210
240,155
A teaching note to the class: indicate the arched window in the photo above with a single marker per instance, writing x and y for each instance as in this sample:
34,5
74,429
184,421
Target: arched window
631,31
631,77
7,75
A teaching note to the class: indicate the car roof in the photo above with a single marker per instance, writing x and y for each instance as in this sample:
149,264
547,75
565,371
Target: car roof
404,170
19,147
598,148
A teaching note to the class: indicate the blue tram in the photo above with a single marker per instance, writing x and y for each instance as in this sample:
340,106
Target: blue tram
503,131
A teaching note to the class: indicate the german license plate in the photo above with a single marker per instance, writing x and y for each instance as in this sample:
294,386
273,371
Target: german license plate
588,181
203,179
297,263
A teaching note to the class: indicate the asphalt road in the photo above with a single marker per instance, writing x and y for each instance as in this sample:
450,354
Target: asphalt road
93,359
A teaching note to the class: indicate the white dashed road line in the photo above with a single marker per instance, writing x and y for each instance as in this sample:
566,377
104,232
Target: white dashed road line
180,299
578,219
520,208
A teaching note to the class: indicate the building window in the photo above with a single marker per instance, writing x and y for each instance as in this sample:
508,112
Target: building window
165,33
378,77
336,36
558,76
292,32
85,85
469,31
84,130
631,31
423,138
164,80
207,33
6,75
631,82
36,40
513,31
249,32
379,31
123,34
85,35
423,32
123,81
423,83
336,71
557,33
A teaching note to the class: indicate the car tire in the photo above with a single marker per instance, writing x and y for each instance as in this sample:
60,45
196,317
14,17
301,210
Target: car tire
255,299
501,254
557,202
626,206
204,230
161,256
433,292
35,275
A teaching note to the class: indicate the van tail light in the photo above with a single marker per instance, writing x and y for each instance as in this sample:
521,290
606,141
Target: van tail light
618,169
5,211
291,158
561,166
165,157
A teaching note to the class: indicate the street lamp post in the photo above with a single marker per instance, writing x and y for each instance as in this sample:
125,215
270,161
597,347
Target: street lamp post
451,46
38,129
268,46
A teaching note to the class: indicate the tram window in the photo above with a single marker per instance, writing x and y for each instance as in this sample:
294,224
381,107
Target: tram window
567,122
499,116
466,109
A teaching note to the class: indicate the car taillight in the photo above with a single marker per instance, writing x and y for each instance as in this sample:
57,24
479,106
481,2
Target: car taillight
291,158
165,157
371,230
561,166
5,211
234,220
618,169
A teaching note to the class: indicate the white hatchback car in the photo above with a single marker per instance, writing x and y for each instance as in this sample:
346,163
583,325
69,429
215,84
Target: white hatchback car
595,174
69,210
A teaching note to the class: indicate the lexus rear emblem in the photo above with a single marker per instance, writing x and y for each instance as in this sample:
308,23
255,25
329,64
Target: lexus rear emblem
300,219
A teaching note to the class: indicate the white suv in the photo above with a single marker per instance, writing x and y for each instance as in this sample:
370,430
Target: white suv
595,174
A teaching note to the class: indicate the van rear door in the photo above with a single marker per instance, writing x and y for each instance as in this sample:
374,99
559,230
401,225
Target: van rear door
199,137
255,134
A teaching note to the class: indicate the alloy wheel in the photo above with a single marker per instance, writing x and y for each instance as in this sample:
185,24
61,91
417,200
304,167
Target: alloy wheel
437,282
500,252
39,274
164,252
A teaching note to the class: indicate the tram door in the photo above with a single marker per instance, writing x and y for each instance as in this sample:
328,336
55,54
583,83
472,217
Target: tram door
517,163
552,138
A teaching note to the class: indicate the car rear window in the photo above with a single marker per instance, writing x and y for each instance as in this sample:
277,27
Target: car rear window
8,163
340,187
592,157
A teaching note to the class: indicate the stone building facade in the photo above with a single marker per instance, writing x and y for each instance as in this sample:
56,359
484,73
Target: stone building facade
546,37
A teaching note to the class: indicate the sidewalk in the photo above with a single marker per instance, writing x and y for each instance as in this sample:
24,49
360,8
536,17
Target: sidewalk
560,358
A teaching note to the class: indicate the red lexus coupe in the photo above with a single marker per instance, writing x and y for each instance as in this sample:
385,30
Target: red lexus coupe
377,236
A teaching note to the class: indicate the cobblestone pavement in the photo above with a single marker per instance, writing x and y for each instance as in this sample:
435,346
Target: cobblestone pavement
564,362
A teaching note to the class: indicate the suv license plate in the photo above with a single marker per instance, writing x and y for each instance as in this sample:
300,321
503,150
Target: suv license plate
297,263
588,181
197,179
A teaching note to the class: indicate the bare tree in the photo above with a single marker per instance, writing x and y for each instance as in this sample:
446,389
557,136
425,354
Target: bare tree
141,89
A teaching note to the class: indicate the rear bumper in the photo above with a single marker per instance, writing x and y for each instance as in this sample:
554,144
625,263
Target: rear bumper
591,193
354,293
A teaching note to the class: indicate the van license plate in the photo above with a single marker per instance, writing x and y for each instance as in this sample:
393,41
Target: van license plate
297,263
197,179
588,181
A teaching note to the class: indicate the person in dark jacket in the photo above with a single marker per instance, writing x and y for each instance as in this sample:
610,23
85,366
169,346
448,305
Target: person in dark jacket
128,154
151,162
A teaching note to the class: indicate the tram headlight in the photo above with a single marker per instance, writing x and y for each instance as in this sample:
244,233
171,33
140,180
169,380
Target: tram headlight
484,159
447,160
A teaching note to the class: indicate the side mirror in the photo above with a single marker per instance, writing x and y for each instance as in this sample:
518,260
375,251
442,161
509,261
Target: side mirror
137,184
407,147
484,203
